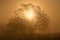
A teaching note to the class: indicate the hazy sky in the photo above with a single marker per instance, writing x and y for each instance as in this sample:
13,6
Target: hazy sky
51,8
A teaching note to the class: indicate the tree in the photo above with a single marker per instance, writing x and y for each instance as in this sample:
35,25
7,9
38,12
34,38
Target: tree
19,22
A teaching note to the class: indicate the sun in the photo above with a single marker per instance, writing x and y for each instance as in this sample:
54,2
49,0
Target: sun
29,14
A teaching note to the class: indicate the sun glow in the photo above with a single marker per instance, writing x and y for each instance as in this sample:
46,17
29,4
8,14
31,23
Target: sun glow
29,14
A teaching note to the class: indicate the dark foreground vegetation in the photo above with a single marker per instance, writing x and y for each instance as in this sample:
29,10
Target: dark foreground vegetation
31,37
